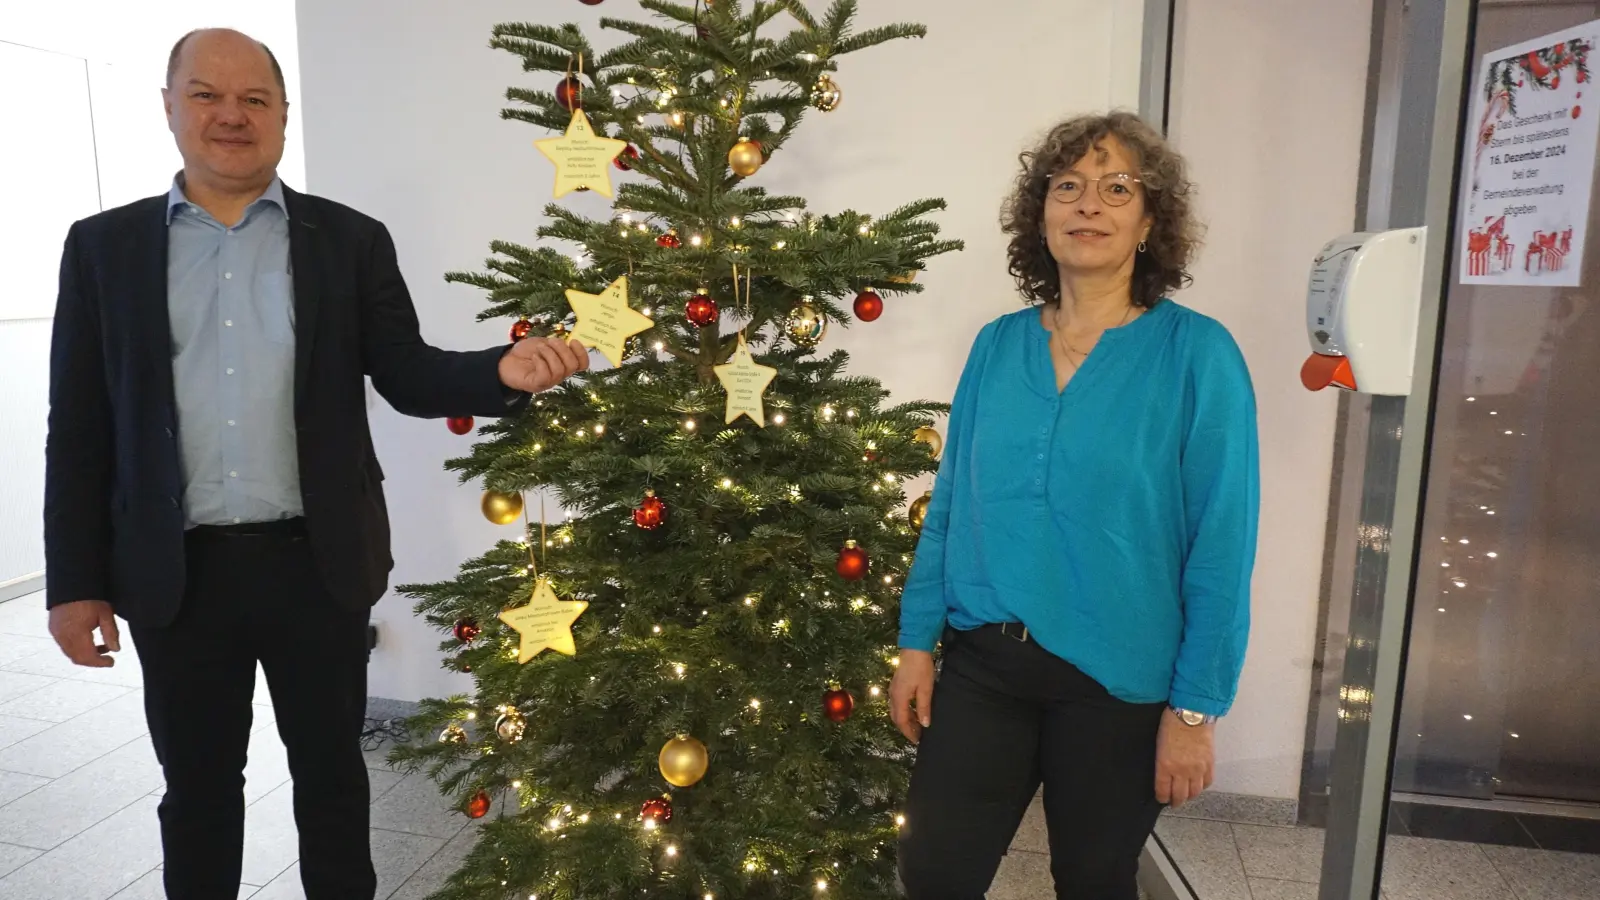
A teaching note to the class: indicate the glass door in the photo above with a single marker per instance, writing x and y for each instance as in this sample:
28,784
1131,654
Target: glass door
1504,668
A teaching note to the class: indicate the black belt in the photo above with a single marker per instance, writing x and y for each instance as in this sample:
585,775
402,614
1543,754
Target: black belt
1014,630
291,528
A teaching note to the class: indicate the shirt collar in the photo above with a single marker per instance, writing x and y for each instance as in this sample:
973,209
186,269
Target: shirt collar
177,198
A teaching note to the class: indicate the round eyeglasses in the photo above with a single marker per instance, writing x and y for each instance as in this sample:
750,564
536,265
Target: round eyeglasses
1115,189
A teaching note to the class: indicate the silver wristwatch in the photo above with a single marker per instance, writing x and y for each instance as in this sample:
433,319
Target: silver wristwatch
1191,718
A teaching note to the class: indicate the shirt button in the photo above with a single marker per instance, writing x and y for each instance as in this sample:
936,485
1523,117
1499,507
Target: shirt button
1041,456
235,520
230,371
230,423
233,474
228,322
227,275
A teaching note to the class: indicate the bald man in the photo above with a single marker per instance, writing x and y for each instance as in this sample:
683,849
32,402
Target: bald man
210,477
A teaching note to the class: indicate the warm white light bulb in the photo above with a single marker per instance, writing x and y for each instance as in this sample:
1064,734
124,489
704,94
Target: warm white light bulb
688,424
777,419
755,704
672,850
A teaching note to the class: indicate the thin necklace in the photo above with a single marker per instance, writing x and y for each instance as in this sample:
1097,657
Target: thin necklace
1068,344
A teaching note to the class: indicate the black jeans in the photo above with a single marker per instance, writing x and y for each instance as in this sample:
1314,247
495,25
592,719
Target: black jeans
1008,715
256,596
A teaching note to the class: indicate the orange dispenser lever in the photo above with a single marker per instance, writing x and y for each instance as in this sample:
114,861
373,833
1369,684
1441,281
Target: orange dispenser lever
1321,370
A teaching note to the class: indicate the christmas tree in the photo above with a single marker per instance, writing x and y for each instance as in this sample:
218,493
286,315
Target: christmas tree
720,588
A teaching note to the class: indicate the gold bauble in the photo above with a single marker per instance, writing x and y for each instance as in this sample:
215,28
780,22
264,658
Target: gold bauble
905,277
684,761
927,435
825,95
806,326
510,726
501,507
745,158
453,734
918,513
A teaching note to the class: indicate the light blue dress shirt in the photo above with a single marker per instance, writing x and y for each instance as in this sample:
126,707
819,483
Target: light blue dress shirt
1115,519
230,299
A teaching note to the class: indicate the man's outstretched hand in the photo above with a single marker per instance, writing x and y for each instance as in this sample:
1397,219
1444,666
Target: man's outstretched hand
536,364
73,625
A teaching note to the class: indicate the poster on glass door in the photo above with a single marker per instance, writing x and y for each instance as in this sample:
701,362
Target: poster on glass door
1530,162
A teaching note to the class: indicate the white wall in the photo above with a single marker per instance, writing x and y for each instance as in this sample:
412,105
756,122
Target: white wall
402,121
105,59
1267,106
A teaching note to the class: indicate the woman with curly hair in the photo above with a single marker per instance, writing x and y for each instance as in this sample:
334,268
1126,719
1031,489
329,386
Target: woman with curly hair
1086,556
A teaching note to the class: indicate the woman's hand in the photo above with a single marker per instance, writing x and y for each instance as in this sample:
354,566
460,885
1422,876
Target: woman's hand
912,687
1185,758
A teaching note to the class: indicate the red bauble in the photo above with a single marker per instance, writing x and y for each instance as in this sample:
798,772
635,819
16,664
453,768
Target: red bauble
701,309
656,810
478,806
651,512
520,329
466,630
852,564
591,2
869,305
459,424
569,93
624,160
837,704
670,240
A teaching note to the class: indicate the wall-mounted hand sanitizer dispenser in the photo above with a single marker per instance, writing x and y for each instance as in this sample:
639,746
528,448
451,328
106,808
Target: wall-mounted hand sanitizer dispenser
1361,312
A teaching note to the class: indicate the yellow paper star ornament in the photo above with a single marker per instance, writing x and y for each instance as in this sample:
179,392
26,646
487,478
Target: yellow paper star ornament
545,623
606,321
582,158
745,380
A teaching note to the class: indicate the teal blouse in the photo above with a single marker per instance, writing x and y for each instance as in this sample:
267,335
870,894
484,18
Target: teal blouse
1116,520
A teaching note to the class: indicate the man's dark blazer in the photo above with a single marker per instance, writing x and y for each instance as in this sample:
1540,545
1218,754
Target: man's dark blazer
113,516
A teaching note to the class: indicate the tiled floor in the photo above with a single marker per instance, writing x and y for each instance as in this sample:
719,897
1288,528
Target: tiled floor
1234,861
79,786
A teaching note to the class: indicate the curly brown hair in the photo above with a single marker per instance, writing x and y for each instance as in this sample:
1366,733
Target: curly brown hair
1174,233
